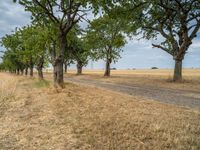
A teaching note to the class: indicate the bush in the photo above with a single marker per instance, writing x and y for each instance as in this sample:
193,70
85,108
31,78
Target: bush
154,68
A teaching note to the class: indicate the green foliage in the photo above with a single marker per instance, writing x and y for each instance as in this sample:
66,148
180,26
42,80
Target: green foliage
41,83
77,49
176,21
25,45
11,58
105,38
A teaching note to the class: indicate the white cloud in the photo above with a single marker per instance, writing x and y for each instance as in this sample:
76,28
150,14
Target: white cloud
137,53
196,44
12,16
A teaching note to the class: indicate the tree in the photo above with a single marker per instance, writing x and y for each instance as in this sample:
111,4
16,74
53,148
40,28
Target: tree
28,39
40,49
11,58
68,60
177,21
34,41
105,39
63,15
26,48
80,54
78,50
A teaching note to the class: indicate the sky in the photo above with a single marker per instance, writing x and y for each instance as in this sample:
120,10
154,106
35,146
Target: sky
136,53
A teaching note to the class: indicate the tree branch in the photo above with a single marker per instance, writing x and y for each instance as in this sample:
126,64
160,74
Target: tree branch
49,13
163,48
192,26
196,29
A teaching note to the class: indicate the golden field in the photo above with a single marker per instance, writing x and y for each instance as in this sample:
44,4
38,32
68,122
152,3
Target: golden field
147,77
33,115
165,72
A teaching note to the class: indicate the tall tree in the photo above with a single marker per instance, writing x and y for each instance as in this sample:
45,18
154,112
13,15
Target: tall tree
68,60
40,48
105,39
80,54
28,39
26,48
78,50
12,58
63,14
177,21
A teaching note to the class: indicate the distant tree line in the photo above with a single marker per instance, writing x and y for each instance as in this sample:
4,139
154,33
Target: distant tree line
55,36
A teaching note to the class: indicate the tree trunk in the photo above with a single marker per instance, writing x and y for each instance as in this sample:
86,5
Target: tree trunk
31,67
54,74
26,71
66,64
60,77
22,71
79,68
40,67
178,71
31,71
53,56
107,69
17,71
58,74
59,61
40,74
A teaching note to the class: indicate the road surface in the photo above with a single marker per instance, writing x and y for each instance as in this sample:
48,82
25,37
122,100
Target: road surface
184,98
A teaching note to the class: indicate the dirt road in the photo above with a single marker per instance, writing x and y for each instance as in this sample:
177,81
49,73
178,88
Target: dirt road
183,98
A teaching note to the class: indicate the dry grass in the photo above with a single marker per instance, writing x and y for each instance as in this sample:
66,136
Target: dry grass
7,91
88,118
159,78
7,87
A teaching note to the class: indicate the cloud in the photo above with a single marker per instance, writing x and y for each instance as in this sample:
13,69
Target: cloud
136,54
196,44
12,16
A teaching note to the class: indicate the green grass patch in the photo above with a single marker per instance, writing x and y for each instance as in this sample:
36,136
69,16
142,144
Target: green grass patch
41,83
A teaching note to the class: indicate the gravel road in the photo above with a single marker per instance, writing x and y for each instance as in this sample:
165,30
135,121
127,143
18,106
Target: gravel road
183,98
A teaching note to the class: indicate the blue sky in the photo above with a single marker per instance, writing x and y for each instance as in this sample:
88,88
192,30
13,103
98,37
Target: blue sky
136,54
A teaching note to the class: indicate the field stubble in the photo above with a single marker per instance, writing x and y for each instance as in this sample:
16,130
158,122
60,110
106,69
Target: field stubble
147,77
79,117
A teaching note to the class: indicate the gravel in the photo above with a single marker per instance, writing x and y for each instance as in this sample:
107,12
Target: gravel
183,98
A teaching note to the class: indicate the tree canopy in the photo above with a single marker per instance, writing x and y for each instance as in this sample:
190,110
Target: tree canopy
177,22
107,35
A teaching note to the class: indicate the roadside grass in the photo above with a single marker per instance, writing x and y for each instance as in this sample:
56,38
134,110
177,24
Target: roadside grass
80,117
108,120
156,78
7,91
41,83
7,88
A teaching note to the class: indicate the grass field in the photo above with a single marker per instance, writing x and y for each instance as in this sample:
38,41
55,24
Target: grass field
158,72
33,115
148,77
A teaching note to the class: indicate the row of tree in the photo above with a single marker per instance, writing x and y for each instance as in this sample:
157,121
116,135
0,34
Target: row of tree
35,47
55,35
